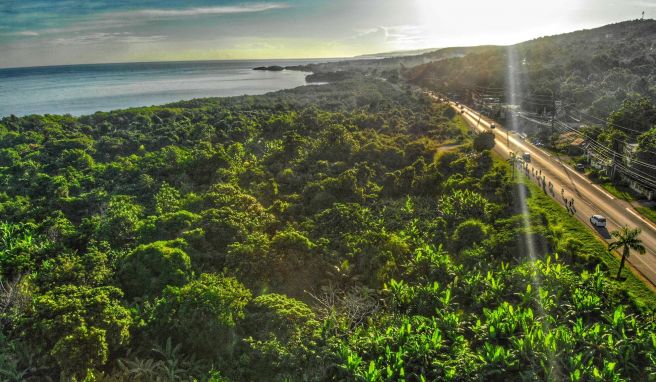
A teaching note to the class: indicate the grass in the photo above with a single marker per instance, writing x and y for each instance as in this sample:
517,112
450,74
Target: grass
620,192
461,124
637,290
648,212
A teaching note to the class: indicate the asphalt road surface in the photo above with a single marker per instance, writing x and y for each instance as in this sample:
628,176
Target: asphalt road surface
589,199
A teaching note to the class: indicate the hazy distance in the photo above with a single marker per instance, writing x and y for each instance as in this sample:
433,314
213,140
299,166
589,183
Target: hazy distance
45,32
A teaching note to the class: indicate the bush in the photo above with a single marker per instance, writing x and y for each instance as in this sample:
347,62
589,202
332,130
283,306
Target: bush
147,270
201,315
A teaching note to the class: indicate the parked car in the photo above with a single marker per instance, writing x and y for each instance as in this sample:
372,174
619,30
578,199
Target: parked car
598,221
492,125
580,167
527,157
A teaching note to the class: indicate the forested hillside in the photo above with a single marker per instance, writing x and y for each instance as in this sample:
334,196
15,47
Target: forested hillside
593,70
344,232
602,81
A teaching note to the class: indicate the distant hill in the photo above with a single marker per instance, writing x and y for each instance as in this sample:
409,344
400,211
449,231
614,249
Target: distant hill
399,53
388,66
595,69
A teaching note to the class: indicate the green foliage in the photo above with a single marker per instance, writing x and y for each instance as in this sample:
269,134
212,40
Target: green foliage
147,270
596,69
349,231
79,326
119,223
461,205
281,337
484,141
17,249
201,315
469,233
167,199
92,268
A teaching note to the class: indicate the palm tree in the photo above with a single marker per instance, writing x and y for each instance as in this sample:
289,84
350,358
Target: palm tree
627,239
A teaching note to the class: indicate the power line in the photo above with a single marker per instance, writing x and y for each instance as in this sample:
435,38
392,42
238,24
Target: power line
610,123
600,144
601,150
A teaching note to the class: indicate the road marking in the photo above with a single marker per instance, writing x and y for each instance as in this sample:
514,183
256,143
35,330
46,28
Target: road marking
640,217
579,175
636,262
604,192
544,153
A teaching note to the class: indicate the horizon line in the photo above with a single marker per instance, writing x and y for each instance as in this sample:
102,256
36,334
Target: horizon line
175,61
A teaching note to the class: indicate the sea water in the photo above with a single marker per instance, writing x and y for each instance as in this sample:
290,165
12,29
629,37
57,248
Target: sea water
85,89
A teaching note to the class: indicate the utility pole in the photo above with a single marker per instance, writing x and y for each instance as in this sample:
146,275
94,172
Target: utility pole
553,120
551,139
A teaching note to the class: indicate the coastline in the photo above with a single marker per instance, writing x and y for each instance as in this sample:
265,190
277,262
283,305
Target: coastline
84,89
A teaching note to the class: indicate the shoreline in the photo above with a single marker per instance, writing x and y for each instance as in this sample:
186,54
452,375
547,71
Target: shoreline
61,91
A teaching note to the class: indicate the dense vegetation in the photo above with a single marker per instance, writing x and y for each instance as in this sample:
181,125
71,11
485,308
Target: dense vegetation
603,79
345,232
593,70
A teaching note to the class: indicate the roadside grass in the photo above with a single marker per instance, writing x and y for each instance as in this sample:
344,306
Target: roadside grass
457,121
617,190
620,192
648,212
460,122
628,195
643,297
638,292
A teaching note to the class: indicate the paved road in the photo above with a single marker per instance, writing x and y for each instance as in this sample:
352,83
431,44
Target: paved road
589,198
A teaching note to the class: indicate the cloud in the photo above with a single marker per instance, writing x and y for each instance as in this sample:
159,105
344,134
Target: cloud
645,4
25,33
104,20
221,10
393,37
105,37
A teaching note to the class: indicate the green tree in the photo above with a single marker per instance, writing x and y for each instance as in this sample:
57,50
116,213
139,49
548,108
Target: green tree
461,205
119,223
17,248
280,333
147,270
92,268
634,115
167,199
468,233
484,141
201,315
627,239
79,326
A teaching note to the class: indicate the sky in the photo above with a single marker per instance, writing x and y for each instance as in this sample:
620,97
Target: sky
55,32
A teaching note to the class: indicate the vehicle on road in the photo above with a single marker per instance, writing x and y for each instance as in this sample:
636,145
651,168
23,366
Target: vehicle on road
492,126
580,167
521,135
598,221
527,157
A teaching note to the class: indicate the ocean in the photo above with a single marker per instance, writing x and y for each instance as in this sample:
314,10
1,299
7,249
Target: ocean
85,89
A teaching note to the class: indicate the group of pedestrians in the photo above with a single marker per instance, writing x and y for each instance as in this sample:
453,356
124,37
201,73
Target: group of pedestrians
548,186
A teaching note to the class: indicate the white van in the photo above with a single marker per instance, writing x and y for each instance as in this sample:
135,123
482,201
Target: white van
598,221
